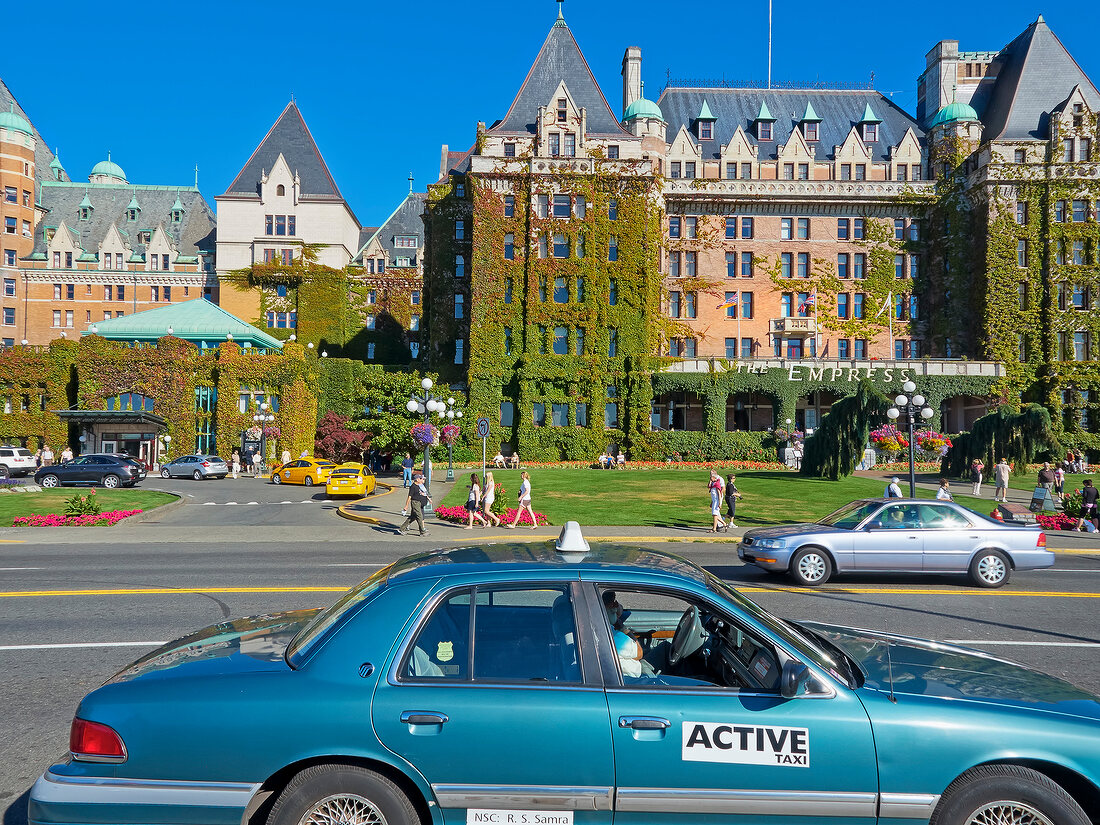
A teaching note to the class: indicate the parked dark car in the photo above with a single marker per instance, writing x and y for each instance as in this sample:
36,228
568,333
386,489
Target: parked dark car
96,469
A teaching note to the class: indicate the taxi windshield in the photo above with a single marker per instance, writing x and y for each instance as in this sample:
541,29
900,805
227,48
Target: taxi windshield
851,515
827,657
308,636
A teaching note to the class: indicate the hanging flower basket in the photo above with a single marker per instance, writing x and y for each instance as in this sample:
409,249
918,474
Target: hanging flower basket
449,434
424,434
887,439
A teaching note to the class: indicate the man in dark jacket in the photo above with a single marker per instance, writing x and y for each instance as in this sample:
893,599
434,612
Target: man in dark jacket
414,505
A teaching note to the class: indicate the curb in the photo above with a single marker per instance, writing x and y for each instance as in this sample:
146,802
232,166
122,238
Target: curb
146,515
350,516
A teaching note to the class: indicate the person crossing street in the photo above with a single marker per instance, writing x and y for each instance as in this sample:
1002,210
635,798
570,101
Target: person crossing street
417,499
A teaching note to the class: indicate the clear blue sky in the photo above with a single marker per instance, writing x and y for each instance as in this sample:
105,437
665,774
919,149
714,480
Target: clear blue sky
382,85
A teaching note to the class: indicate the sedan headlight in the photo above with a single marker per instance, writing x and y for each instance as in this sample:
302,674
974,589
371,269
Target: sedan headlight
768,544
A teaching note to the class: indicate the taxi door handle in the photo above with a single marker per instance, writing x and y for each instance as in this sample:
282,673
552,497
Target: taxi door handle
644,722
423,717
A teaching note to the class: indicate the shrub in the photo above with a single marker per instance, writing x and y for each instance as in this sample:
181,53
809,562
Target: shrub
80,505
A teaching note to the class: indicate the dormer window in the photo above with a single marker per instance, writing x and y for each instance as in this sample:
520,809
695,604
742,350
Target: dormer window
810,130
85,213
177,215
280,190
706,130
405,241
870,132
561,110
131,214
764,130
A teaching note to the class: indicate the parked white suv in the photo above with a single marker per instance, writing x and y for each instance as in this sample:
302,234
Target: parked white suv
16,461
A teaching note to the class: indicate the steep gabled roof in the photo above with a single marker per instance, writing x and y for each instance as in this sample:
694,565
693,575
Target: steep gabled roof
1035,75
836,111
559,60
43,157
406,219
291,138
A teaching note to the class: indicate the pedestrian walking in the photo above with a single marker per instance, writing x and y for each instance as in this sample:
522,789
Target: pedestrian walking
406,470
893,489
235,463
417,500
488,496
976,467
716,488
524,501
731,500
1001,472
473,504
944,493
67,454
1059,481
257,463
1046,477
47,456
1089,497
285,457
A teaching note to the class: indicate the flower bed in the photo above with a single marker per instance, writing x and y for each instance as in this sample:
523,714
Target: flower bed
1058,521
458,515
638,465
90,520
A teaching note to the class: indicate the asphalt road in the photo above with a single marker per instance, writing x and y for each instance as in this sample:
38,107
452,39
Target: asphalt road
77,605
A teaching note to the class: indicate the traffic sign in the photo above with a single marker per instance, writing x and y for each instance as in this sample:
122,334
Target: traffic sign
483,428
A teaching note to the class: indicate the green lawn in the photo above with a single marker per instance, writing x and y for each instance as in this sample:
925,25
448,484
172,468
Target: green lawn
679,498
46,502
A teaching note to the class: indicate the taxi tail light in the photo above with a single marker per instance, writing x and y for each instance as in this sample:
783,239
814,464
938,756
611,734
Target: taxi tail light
1042,542
94,742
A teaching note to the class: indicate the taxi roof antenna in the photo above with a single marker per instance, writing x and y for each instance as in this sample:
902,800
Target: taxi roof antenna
889,664
572,545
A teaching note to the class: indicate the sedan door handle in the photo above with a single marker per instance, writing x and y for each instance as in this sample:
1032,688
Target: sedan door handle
423,717
644,722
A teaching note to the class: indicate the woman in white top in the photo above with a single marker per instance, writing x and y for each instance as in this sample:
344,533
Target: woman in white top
525,502
473,503
487,499
943,494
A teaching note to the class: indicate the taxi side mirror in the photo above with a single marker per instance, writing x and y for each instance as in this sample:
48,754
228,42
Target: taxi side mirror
794,679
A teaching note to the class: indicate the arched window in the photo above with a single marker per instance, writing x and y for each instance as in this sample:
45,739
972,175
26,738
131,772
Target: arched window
280,190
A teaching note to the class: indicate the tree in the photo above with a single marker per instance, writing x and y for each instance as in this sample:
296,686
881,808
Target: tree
337,441
1018,437
380,401
837,445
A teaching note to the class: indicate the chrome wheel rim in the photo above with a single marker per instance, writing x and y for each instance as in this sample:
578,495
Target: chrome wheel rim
992,569
343,809
811,567
1006,812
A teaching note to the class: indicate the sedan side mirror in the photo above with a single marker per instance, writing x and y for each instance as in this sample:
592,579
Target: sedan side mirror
794,679
873,525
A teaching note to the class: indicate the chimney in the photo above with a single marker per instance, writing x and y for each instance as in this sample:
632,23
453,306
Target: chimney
632,76
443,162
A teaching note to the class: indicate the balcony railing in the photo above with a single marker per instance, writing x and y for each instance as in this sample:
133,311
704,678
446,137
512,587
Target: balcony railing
792,327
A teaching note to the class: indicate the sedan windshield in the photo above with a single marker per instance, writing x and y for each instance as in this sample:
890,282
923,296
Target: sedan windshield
851,515
301,644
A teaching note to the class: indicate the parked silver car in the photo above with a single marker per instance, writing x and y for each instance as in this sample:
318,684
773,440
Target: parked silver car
899,536
196,466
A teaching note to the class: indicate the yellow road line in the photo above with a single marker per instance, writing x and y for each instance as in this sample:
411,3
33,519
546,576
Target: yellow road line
12,541
920,591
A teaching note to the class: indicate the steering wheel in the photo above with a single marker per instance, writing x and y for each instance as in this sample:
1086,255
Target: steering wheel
689,629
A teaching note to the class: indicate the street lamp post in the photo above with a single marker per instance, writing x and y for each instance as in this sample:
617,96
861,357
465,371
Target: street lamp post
426,403
912,407
262,419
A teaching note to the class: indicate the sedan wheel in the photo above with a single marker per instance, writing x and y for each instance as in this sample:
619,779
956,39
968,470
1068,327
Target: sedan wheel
50,481
1007,795
196,475
811,567
111,482
341,795
990,568
165,474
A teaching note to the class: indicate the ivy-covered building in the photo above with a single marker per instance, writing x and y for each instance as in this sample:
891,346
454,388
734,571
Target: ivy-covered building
1014,137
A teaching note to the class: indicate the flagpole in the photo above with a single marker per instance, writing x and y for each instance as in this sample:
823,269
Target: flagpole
817,337
891,305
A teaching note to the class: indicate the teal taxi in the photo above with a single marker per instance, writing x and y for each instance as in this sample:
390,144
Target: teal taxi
569,684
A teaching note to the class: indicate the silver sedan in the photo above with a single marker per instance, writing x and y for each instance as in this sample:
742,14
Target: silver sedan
898,536
196,466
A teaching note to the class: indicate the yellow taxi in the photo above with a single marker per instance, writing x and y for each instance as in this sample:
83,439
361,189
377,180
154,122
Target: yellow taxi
307,471
350,480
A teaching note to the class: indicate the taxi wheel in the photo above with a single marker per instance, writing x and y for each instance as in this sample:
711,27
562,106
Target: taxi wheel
309,481
996,794
341,795
811,566
276,478
990,568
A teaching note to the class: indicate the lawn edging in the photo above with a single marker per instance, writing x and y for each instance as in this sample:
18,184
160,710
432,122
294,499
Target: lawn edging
145,515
